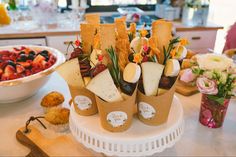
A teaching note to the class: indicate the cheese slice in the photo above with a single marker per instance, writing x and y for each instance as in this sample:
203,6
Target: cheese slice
132,73
172,68
94,57
103,86
151,76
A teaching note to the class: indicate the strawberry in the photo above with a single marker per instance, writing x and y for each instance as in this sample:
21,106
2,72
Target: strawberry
27,72
38,59
3,64
20,69
1,72
9,70
5,52
25,64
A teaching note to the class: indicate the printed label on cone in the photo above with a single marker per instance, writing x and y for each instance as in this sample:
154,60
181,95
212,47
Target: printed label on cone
83,102
117,118
146,110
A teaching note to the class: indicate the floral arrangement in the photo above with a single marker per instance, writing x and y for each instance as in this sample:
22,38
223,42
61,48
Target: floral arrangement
216,76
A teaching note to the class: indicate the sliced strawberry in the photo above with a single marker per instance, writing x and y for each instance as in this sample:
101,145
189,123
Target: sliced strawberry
27,72
38,59
5,52
1,72
5,57
20,69
25,64
9,70
3,64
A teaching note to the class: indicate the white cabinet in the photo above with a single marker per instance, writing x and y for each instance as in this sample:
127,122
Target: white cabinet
199,41
23,41
60,42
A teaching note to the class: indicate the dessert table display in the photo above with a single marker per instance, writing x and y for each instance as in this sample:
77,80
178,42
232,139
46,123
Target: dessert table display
197,140
122,91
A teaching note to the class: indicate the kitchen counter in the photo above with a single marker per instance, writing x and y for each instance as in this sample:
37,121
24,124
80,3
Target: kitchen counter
197,140
7,32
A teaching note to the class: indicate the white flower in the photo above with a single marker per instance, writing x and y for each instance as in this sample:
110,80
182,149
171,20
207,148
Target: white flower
208,74
214,62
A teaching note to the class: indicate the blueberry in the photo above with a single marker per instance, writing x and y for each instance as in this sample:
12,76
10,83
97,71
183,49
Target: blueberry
22,52
23,57
32,53
44,52
31,57
11,63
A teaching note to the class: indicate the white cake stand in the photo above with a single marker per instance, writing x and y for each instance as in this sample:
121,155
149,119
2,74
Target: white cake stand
138,140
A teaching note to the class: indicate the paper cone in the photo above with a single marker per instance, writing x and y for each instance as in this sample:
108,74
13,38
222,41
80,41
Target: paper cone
116,116
154,110
83,100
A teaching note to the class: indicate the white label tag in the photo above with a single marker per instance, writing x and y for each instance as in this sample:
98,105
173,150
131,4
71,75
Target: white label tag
83,102
117,118
146,110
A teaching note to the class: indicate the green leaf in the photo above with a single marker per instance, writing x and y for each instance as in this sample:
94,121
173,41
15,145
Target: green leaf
219,100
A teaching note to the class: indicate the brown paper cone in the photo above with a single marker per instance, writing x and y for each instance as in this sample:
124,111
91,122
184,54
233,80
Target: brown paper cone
84,101
116,116
154,110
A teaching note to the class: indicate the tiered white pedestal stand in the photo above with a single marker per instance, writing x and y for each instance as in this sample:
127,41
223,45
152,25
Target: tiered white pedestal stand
138,140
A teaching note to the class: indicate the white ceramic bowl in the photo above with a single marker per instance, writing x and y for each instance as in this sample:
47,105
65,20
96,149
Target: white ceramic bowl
22,88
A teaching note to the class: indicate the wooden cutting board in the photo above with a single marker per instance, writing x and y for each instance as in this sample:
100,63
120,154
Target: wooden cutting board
185,90
42,146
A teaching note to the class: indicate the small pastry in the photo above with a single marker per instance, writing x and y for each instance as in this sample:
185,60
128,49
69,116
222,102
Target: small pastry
58,118
52,100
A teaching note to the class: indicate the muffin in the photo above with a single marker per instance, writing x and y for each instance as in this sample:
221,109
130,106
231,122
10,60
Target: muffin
58,118
52,100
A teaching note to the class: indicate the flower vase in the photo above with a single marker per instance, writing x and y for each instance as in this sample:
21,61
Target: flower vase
212,113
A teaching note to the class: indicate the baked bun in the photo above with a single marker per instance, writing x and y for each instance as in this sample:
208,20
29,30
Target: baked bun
52,99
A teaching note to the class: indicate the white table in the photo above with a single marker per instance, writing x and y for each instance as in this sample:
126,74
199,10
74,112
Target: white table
197,140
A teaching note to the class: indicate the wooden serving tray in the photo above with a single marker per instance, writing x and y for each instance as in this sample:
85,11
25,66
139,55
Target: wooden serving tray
185,90
42,146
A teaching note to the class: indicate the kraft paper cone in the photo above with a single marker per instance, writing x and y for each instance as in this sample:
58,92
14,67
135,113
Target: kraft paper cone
116,116
84,101
154,110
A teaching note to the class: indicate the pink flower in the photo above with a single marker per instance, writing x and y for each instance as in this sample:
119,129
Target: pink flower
207,86
188,76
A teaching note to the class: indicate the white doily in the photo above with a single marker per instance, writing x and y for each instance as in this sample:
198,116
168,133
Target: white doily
138,140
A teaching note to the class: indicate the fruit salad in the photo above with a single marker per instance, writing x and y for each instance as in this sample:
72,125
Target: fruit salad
23,61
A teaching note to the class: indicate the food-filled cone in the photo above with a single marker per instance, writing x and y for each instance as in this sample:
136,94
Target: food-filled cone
83,100
154,110
116,116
